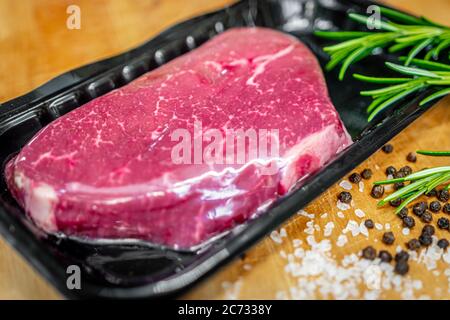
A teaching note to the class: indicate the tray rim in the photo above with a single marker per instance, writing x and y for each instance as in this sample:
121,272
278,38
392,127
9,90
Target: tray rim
53,272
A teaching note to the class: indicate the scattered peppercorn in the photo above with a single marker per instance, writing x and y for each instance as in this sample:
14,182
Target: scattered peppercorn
399,174
369,224
391,170
428,229
388,148
398,185
377,191
443,223
402,256
435,206
355,177
446,208
419,208
403,213
401,268
443,195
443,243
388,238
432,193
396,202
366,174
425,240
385,256
409,222
411,157
427,217
413,244
345,197
369,253
406,170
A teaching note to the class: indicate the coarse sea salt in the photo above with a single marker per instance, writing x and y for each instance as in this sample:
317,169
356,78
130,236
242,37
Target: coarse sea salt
328,230
306,214
406,231
342,206
275,236
345,185
361,186
324,216
378,226
359,213
297,243
342,240
341,215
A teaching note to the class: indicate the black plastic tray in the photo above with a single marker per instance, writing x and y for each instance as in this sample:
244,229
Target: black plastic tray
134,271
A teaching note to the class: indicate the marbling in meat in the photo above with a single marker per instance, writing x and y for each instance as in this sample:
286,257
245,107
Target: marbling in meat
106,169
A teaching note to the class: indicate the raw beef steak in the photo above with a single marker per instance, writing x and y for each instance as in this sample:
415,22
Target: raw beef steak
114,168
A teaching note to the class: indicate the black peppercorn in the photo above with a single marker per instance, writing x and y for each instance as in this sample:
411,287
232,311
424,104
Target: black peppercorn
406,170
432,193
388,148
428,229
401,268
403,213
443,223
354,178
409,222
369,253
366,174
443,243
345,197
399,174
446,208
391,170
443,195
385,256
402,256
411,157
369,224
413,244
435,206
377,191
396,202
388,237
427,217
398,185
419,208
425,240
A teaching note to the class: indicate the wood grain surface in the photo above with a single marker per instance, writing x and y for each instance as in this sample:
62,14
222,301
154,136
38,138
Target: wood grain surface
35,46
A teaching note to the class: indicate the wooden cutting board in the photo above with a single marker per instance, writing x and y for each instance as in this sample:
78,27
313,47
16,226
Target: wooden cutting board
35,46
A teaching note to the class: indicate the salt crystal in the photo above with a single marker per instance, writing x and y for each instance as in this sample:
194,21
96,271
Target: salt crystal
342,206
283,233
247,267
328,229
406,231
275,236
387,226
378,226
340,215
297,243
342,240
359,213
363,229
324,216
306,214
361,186
345,185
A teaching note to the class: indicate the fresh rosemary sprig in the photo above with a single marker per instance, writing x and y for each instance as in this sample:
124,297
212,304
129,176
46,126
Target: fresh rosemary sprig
417,34
421,182
427,74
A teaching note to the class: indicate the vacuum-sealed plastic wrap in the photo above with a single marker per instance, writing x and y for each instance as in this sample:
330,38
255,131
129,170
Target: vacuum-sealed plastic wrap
186,151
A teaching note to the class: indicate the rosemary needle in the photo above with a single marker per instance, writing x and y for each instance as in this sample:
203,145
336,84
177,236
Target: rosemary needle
421,182
425,74
417,34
